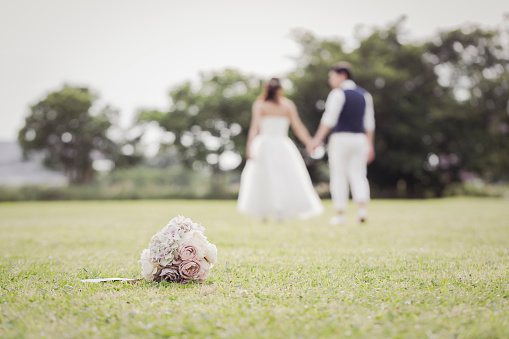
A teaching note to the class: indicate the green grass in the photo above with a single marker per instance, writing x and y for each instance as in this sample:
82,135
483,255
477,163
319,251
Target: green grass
417,269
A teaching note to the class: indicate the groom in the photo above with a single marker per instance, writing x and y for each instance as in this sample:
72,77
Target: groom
350,118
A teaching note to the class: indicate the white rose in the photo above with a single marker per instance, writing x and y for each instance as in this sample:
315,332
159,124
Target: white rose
211,254
197,240
148,268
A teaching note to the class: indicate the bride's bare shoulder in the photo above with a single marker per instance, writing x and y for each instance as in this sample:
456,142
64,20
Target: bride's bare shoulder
258,103
287,102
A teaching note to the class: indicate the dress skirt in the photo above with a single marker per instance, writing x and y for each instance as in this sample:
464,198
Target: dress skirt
275,182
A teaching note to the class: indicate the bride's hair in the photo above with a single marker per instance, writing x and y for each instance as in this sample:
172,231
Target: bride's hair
271,89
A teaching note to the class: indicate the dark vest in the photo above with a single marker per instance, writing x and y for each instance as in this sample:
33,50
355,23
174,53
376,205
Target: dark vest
351,118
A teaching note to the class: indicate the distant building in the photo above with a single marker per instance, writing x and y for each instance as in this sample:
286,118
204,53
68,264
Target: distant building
15,171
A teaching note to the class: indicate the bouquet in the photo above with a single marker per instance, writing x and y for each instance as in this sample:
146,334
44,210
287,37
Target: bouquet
179,253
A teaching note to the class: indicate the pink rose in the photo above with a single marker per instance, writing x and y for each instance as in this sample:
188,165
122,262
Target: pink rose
187,251
194,269
199,244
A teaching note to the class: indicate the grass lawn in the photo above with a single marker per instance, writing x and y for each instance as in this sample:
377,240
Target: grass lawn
417,269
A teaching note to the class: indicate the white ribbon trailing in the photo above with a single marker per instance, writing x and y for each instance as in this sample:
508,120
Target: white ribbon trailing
108,279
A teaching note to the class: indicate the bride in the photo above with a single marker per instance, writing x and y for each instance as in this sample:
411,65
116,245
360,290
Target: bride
275,182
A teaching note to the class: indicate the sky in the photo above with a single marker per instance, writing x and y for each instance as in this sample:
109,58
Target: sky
131,53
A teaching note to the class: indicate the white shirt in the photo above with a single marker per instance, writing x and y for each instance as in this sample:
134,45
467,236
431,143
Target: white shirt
336,101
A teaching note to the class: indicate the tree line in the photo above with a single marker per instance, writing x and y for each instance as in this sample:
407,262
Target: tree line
441,108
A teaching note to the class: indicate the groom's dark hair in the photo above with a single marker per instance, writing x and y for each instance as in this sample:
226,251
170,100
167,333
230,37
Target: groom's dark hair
343,67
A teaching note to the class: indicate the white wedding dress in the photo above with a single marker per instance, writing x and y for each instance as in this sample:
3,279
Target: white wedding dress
275,182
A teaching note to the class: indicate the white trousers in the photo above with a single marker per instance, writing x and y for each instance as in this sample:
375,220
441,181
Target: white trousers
348,155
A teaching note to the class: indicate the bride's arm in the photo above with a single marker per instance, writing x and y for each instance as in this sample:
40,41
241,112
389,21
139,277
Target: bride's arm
254,126
297,126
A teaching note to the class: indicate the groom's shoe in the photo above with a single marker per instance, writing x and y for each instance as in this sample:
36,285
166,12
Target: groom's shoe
362,214
337,220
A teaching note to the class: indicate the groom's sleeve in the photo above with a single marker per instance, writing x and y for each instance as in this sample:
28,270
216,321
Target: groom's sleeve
369,113
333,107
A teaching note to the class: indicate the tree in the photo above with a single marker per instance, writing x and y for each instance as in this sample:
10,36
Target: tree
64,129
402,96
310,88
210,121
441,107
406,92
473,67
426,134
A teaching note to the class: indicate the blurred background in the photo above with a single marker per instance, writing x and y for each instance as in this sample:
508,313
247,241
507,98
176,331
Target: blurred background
131,100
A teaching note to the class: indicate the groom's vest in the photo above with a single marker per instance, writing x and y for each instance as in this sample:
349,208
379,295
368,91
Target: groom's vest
351,118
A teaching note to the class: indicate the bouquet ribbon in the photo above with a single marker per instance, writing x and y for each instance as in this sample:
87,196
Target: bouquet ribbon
179,253
109,279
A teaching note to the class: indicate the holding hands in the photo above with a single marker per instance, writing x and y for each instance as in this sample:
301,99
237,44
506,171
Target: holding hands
312,145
